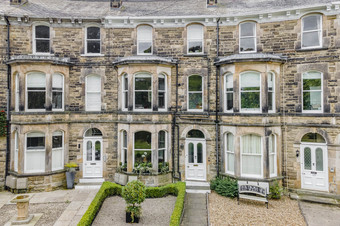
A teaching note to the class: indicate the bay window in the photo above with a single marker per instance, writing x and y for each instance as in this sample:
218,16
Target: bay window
195,39
272,155
57,150
144,40
57,92
92,45
93,93
312,31
247,37
41,43
35,153
271,92
143,92
35,91
251,156
229,153
195,93
312,97
250,92
142,147
162,92
229,92
125,93
162,147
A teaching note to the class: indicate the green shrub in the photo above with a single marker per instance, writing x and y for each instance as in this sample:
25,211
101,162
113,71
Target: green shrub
134,195
175,219
225,186
275,190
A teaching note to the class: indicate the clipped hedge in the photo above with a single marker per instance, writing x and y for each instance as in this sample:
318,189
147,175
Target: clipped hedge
111,189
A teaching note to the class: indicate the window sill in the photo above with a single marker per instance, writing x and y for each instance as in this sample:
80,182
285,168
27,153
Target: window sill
311,49
36,174
195,55
92,55
41,54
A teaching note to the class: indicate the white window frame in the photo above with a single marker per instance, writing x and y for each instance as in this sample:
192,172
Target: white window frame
227,92
317,30
26,92
124,92
195,40
202,92
62,149
27,151
275,155
62,92
272,92
163,91
16,151
144,40
93,92
133,156
123,149
34,44
322,95
165,146
254,37
229,152
142,75
242,110
241,152
100,37
17,97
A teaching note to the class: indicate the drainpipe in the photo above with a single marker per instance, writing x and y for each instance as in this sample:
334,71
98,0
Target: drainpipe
216,98
8,146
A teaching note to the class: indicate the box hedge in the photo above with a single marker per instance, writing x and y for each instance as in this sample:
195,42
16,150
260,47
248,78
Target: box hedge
110,189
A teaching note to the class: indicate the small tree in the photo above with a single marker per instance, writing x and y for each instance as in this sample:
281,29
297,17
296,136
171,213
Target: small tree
134,194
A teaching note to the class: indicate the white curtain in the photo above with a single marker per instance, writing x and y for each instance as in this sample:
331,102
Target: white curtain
93,93
144,33
251,155
229,81
250,79
36,80
57,81
230,152
195,32
272,154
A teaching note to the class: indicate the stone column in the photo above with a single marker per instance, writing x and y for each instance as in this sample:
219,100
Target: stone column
48,103
266,169
130,150
48,148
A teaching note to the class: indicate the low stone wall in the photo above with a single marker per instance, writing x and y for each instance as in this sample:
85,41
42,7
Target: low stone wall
148,180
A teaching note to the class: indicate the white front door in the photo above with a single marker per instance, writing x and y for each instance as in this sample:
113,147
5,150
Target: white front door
195,160
314,167
93,157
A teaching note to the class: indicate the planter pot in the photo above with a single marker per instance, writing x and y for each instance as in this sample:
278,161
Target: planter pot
129,218
70,179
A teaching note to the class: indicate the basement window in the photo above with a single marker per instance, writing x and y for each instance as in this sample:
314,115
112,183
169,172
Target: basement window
41,42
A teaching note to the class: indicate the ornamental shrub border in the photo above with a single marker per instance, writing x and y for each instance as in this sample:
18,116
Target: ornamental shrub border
3,123
110,189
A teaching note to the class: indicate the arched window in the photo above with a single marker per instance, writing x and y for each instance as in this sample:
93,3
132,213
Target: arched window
17,97
143,92
93,132
272,155
57,150
144,40
251,156
312,95
35,91
162,146
229,153
271,92
162,88
57,91
313,138
195,39
247,37
195,93
124,147
311,31
229,92
93,93
250,90
41,43
194,133
92,45
142,147
35,152
16,151
125,92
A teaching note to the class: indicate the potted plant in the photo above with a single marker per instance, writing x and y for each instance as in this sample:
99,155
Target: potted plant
163,167
70,174
134,194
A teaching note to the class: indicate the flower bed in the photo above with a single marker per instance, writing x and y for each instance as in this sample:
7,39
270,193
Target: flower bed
110,189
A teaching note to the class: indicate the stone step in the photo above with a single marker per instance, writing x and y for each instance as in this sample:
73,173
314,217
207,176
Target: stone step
317,193
200,187
88,186
315,198
91,180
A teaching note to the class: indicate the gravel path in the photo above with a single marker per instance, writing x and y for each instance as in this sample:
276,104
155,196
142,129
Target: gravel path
225,211
155,212
51,212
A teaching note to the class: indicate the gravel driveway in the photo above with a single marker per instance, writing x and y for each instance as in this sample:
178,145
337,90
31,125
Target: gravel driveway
225,211
155,212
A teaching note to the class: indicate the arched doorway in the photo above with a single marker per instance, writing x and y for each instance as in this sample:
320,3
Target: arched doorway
92,153
195,156
314,162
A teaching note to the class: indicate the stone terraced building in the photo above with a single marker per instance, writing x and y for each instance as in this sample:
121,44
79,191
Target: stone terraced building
248,89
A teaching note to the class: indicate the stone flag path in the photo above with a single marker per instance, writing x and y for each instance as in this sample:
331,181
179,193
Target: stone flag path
320,214
195,210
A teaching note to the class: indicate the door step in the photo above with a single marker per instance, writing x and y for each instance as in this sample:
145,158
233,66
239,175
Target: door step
92,180
197,187
89,183
315,196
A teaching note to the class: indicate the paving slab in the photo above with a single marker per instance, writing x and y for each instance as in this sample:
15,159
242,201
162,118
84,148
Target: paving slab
320,214
195,210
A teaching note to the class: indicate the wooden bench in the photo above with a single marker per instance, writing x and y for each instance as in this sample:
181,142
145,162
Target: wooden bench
252,190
